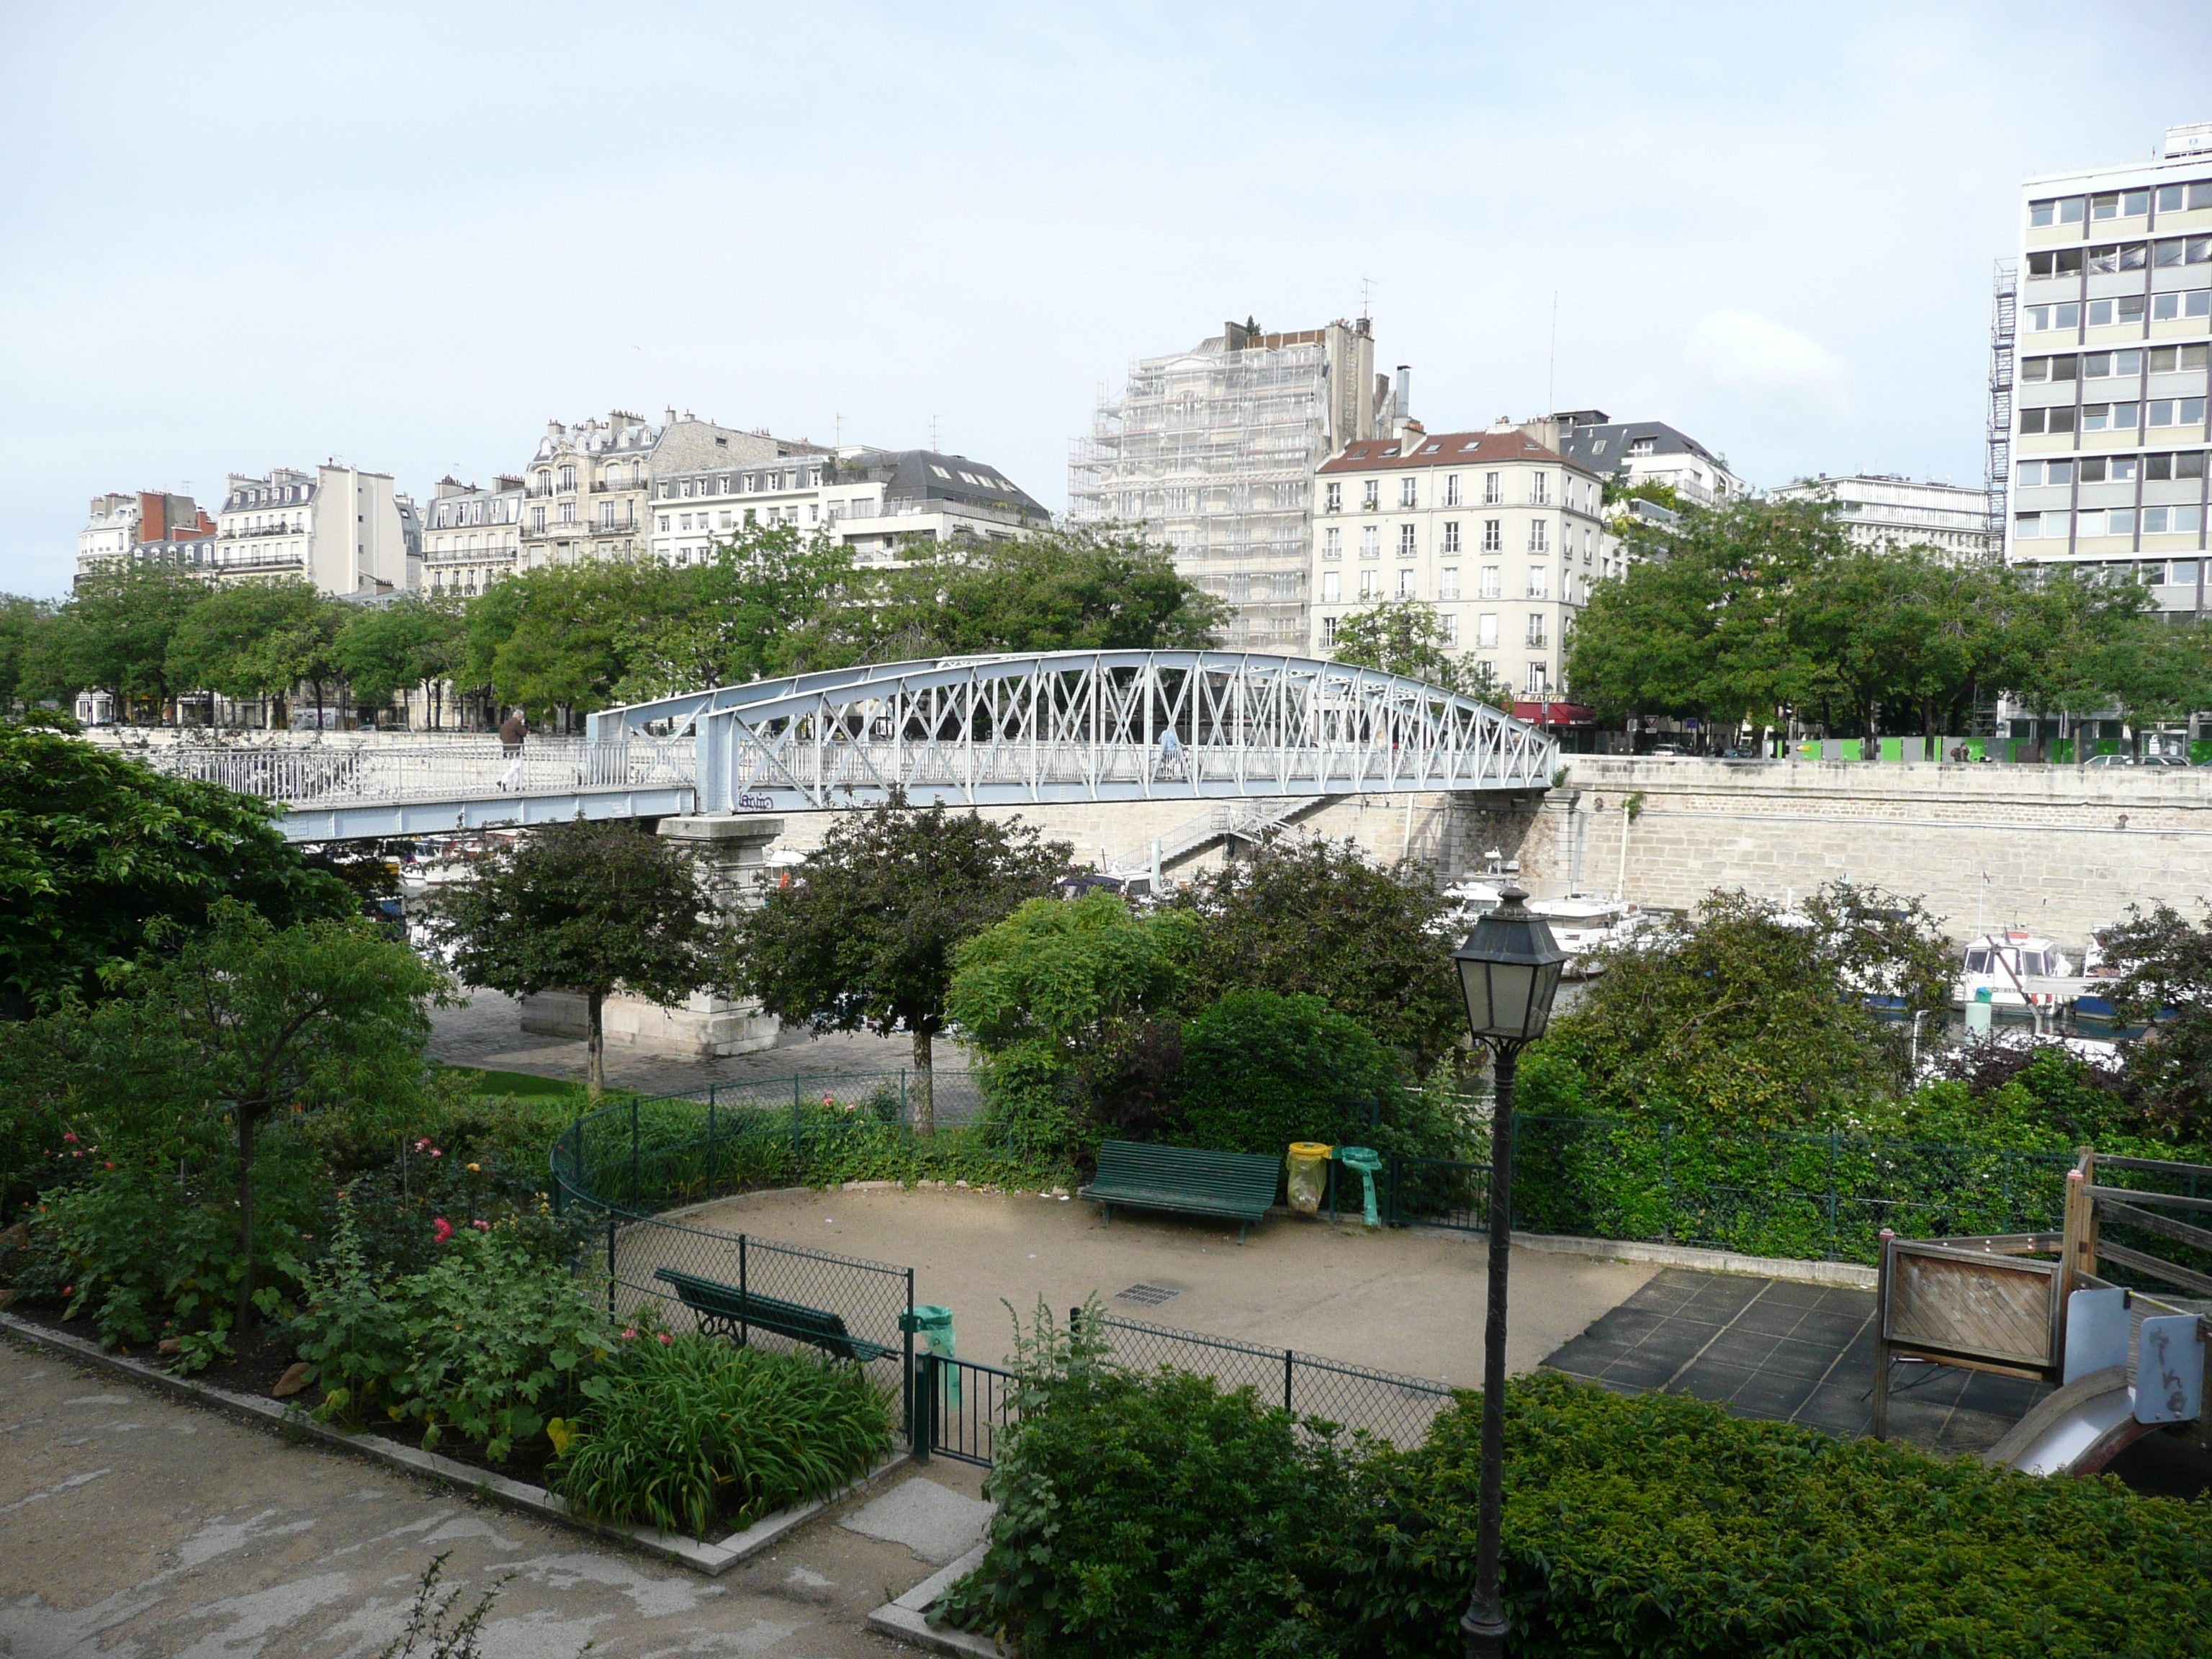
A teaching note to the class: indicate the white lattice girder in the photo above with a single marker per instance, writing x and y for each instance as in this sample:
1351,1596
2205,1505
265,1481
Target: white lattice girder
1067,726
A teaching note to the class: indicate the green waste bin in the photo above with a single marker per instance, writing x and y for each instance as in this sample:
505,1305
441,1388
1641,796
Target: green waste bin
1308,1177
933,1332
1369,1163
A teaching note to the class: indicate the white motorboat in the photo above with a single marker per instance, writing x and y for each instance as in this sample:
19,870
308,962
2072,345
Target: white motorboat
1469,901
2019,970
1583,925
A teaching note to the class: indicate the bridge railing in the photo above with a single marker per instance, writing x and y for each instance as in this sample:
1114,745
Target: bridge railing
450,769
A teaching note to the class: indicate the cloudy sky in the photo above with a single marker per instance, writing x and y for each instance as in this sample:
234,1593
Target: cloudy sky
238,237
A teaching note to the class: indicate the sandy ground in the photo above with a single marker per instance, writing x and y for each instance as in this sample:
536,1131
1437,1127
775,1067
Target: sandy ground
487,1031
1394,1299
133,1526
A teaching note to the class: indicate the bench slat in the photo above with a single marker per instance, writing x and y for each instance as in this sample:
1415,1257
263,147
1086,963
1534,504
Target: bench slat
1185,1179
725,1303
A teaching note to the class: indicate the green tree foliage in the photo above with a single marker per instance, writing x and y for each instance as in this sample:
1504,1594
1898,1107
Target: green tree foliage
863,938
386,650
769,602
257,639
1407,636
114,635
1315,917
96,849
1071,1008
1761,609
247,1020
22,622
587,907
2166,963
1746,1016
1262,1070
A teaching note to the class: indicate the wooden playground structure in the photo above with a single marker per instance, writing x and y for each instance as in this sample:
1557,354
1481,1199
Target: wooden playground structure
2125,1360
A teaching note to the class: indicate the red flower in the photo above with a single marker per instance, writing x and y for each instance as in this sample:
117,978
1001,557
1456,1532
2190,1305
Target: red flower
443,1228
69,1135
665,1337
481,1226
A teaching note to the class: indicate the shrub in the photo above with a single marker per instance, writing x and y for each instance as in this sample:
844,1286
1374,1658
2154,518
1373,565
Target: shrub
687,1430
1262,1070
1147,1515
1662,1526
491,1341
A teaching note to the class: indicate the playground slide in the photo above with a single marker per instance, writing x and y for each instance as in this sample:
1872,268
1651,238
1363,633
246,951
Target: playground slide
2077,1429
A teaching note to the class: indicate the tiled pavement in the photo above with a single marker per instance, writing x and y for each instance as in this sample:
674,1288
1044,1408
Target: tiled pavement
1798,1353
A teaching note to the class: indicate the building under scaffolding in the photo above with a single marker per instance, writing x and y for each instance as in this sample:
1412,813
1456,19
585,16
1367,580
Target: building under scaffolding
1212,452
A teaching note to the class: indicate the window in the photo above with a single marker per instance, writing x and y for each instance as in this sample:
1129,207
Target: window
1539,679
1451,535
537,518
1332,586
1451,491
1373,496
1536,628
1451,629
1370,541
2172,521
2177,411
1540,489
545,483
1494,489
1644,446
2061,419
1405,584
2165,359
2048,317
1329,630
569,478
1448,582
1409,492
1539,581
1369,580
1333,497
1332,542
1485,633
1406,548
1490,582
2030,526
1493,535
2120,521
1540,535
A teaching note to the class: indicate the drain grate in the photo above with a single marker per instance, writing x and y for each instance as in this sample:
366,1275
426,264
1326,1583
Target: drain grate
1149,1295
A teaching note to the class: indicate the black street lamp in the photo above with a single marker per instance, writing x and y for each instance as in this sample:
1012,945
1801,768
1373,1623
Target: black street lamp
1509,969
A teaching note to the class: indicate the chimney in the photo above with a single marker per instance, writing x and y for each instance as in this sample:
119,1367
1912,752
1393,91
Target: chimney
1403,408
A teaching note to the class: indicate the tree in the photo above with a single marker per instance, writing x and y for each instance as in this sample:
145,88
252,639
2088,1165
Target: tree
2166,962
769,602
587,907
257,639
249,1019
1746,1017
1407,636
96,849
114,635
863,937
384,650
22,621
1315,917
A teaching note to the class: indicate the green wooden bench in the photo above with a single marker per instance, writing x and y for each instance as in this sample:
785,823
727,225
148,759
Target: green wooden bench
725,1310
1236,1186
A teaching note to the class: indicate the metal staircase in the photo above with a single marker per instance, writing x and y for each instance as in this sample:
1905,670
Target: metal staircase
1242,820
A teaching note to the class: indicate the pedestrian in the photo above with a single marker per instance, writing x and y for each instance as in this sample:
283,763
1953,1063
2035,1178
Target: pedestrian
511,735
1171,747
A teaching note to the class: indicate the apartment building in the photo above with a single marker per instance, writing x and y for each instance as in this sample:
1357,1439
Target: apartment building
1641,452
139,523
1888,511
870,500
1212,452
473,536
589,488
1503,536
2103,371
345,530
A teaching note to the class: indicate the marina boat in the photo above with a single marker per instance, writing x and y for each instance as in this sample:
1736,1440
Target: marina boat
1470,900
2020,970
1582,924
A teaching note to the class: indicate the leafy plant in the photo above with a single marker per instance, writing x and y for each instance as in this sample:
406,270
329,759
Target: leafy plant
1261,1071
688,1432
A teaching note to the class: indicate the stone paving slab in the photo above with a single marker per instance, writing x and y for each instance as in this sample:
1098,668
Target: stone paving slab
937,1523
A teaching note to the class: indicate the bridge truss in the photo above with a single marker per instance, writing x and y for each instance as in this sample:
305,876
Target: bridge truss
1084,725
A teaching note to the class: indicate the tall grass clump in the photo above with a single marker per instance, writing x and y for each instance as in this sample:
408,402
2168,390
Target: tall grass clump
689,1433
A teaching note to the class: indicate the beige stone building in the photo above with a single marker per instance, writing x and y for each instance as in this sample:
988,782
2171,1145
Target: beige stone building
472,537
345,530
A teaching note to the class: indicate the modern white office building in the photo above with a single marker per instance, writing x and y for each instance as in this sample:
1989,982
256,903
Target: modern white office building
2099,433
1502,536
1888,511
1212,451
1641,452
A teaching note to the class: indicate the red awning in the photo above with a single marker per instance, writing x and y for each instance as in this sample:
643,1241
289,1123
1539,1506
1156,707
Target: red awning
1555,714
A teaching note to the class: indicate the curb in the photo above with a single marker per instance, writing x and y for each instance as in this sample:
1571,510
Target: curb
905,1618
1848,1273
712,1559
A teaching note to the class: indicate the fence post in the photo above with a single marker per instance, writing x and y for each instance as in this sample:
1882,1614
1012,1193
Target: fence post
1289,1359
611,1265
710,1140
1667,1173
633,1152
797,1155
925,1418
905,1377
744,1299
903,1105
1832,1241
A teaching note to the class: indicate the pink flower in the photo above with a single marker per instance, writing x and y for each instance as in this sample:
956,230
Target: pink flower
443,1228
69,1135
481,1226
630,1336
435,1152
665,1337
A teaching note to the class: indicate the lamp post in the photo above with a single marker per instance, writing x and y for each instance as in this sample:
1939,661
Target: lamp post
1509,970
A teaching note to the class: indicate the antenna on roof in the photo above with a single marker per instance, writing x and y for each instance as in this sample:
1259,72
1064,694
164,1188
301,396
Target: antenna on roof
933,433
1365,283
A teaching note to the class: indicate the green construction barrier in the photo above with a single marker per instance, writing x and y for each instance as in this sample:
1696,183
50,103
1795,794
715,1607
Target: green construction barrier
1977,749
1892,749
2200,752
2062,752
2108,746
1851,747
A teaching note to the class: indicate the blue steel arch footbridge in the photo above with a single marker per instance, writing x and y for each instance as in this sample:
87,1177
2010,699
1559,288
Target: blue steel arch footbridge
1032,728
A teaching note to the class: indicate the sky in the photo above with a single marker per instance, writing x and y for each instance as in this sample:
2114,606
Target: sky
238,237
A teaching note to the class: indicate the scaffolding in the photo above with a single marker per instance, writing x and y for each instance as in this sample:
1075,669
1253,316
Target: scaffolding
1996,469
1212,452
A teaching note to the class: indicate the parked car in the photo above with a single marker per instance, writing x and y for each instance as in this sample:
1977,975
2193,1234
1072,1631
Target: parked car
2110,760
1664,751
2162,760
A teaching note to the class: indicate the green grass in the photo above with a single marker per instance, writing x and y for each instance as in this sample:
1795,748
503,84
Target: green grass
517,1083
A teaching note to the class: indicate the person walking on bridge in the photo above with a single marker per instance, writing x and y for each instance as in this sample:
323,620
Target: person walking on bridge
511,734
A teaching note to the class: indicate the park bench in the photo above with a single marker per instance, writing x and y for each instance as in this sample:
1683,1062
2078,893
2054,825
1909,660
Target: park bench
725,1310
1236,1186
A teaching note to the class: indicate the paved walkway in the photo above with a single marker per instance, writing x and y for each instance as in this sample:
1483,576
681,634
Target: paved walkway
487,1031
134,1526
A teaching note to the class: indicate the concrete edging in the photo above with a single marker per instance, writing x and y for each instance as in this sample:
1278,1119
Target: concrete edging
1714,1261
905,1618
712,1559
